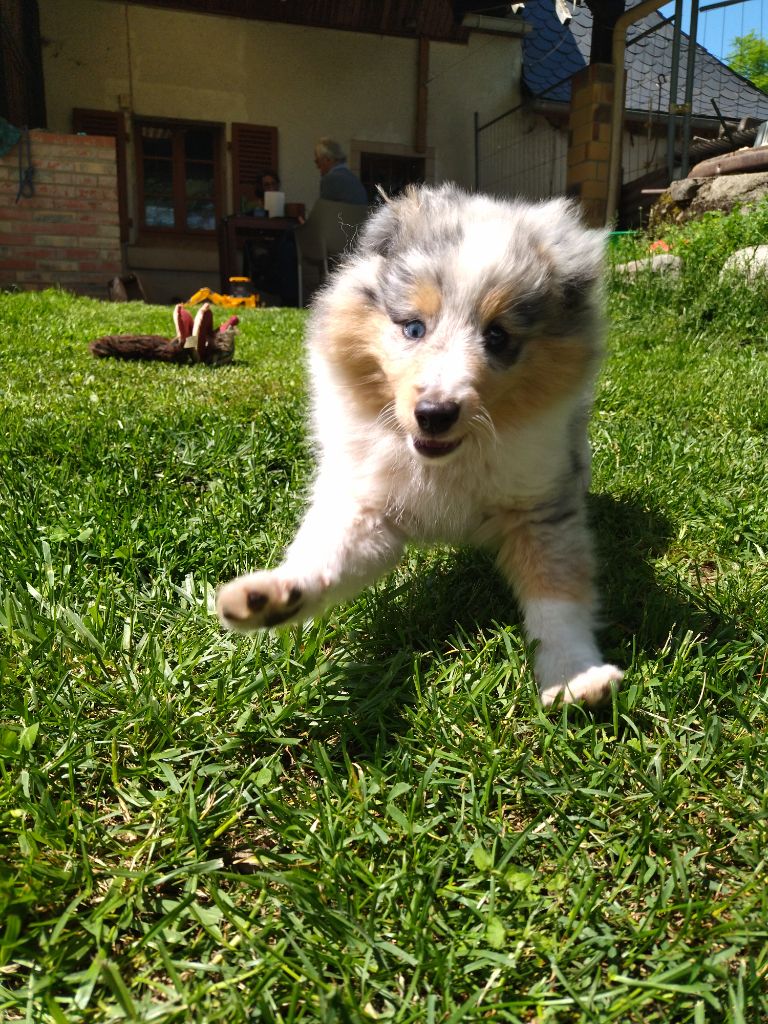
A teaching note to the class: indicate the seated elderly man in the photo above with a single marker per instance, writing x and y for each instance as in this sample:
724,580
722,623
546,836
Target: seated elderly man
337,182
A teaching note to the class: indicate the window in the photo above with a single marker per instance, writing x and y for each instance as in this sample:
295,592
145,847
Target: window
390,170
178,176
180,185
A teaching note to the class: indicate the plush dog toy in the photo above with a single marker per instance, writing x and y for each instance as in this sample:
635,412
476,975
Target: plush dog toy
196,341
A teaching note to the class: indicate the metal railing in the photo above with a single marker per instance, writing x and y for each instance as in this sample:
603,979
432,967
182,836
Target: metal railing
522,153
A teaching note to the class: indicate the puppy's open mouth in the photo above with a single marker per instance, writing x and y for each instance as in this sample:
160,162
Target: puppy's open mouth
433,449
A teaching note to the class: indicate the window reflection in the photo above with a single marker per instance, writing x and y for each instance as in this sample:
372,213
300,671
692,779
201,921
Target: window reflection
200,186
179,175
158,194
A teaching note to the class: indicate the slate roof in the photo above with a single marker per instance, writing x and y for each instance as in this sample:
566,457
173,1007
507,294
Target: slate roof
552,53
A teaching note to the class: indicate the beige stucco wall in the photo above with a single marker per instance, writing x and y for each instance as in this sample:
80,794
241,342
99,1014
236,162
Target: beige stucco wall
360,89
307,82
482,77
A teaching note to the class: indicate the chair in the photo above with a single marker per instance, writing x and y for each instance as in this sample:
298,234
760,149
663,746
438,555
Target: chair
328,231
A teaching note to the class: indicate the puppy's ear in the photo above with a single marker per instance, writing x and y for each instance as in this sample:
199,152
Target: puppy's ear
386,231
379,232
577,252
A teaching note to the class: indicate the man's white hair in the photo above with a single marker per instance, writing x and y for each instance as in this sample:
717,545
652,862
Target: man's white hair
330,148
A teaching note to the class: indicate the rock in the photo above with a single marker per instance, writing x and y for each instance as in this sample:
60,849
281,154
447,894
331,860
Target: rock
690,198
751,262
663,263
683,191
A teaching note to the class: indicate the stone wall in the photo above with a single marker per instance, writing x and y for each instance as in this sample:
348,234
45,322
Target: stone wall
67,233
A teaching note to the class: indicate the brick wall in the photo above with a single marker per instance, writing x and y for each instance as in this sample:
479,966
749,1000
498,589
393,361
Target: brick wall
67,233
589,140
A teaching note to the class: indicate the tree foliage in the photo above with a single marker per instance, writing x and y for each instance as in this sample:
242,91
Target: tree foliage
749,57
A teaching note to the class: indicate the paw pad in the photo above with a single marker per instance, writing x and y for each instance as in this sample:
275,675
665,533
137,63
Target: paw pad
258,601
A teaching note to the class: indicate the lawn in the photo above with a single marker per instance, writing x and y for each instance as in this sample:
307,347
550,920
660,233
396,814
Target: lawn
371,818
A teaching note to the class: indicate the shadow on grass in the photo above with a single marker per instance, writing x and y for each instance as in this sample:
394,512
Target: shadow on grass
432,608
372,664
376,653
462,590
641,610
443,606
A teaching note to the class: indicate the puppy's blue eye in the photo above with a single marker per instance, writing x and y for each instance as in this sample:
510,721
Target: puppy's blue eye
496,338
414,329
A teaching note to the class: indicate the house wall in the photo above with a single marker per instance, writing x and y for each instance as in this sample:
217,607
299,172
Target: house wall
67,232
483,78
358,88
642,150
306,81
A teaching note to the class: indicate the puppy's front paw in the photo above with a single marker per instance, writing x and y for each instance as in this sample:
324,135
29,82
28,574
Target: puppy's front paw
592,687
258,601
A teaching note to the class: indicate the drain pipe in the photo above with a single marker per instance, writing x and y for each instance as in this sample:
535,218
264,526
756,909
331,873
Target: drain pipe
617,113
689,74
673,84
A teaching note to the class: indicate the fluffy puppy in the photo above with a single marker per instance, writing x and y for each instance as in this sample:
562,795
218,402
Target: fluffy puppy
452,361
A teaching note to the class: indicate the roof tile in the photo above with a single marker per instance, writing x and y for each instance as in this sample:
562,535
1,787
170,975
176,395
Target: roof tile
553,53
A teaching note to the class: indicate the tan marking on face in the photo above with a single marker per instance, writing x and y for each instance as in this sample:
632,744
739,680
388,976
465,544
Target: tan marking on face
356,338
426,300
352,343
538,568
549,370
494,303
419,373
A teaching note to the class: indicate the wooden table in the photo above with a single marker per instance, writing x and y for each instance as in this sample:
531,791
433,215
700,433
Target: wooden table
235,230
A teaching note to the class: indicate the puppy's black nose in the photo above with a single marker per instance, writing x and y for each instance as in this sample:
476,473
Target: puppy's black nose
436,417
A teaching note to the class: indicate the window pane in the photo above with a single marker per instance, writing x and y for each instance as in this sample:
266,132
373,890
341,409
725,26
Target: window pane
179,165
391,171
201,208
156,141
156,147
198,144
158,194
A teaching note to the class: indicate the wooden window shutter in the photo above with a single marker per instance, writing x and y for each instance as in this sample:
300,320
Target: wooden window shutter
111,124
254,150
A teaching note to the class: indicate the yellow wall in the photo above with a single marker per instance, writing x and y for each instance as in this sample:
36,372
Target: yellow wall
482,77
308,82
355,87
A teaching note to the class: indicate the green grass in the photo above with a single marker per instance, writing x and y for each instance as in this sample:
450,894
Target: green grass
371,818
